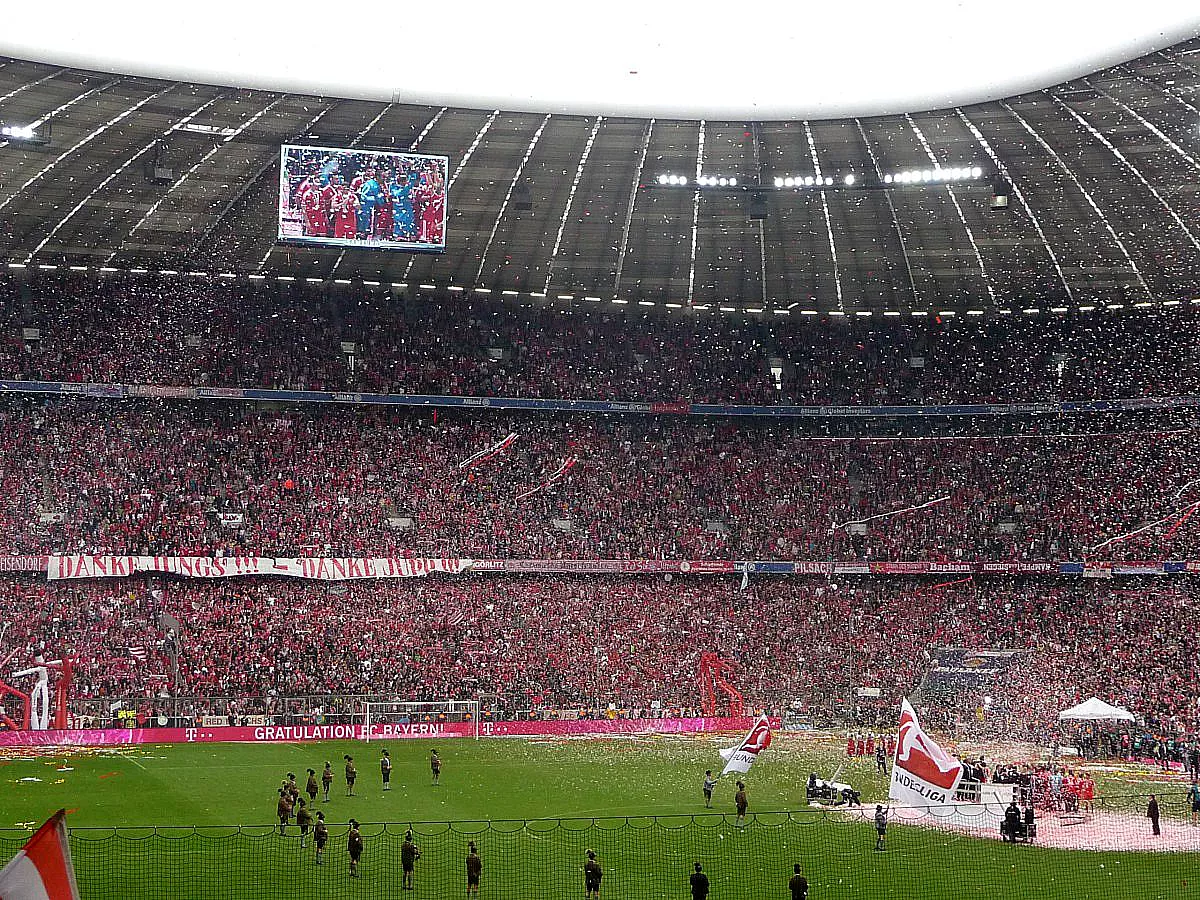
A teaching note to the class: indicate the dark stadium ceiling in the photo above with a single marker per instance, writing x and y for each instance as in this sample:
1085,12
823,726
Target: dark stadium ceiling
1104,206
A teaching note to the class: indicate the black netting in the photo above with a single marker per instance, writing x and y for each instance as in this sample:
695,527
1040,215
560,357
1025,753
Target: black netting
934,854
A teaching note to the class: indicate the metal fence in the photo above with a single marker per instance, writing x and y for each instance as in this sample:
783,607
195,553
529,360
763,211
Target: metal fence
939,853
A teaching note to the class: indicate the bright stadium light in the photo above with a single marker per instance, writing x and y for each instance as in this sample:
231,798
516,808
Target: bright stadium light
976,172
848,180
662,179
733,182
789,181
778,182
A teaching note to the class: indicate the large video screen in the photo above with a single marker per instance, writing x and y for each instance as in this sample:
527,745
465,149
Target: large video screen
362,198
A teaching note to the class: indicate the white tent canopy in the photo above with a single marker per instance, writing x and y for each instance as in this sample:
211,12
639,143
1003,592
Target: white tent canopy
1095,709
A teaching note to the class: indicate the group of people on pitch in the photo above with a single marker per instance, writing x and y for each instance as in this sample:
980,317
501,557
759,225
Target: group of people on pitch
291,804
593,875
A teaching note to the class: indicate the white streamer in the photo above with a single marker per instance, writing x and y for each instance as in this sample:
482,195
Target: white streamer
1146,527
895,512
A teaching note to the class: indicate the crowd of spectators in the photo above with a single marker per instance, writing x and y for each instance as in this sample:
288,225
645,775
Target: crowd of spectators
192,478
156,478
555,642
179,330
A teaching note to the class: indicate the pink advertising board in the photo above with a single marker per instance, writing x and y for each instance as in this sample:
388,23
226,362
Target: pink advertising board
264,734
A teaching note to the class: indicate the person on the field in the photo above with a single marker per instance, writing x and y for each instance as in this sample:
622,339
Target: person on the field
320,838
435,765
881,758
430,203
1152,815
409,854
293,788
699,883
343,209
385,770
312,206
798,884
381,228
1193,796
474,869
310,787
880,827
592,875
404,227
354,846
370,197
284,810
742,803
327,779
709,784
304,820
351,775
1010,829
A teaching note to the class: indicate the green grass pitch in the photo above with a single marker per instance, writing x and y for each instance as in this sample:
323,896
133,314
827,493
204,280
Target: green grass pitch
488,784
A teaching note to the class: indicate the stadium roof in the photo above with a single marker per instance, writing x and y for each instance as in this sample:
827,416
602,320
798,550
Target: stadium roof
667,58
1104,205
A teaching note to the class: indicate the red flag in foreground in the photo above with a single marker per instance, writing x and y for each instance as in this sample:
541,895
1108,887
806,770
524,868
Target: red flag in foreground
740,758
42,869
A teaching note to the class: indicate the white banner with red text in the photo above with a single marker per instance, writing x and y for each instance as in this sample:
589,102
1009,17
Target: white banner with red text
316,568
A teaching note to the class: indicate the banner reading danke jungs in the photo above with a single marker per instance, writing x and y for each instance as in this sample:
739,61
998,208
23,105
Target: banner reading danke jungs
316,568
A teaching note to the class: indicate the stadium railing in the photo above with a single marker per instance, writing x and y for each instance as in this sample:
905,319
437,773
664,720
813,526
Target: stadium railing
650,856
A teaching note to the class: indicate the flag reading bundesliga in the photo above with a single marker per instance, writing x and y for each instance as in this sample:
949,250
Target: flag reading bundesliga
42,869
923,774
741,758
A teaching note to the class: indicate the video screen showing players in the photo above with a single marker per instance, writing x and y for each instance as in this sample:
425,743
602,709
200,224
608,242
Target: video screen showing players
362,198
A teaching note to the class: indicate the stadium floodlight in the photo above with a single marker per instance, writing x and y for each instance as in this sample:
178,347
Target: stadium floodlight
848,180
976,172
887,179
808,181
682,181
778,182
733,182
662,179
723,182
789,182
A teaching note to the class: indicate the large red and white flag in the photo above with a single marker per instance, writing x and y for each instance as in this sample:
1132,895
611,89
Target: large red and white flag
42,869
923,774
741,758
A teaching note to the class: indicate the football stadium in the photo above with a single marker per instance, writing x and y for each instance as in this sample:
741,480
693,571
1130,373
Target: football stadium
635,453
